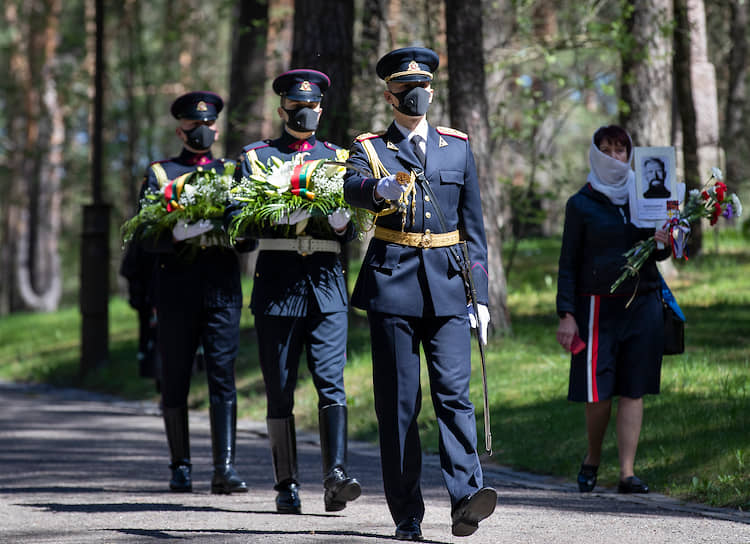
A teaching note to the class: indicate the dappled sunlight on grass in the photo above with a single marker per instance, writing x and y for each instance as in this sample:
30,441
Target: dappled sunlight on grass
694,444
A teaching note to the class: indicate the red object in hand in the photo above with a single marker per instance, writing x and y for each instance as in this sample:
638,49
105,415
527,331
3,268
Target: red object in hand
577,345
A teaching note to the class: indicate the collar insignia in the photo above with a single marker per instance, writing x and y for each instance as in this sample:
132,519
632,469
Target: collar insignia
442,143
201,106
391,145
305,86
413,66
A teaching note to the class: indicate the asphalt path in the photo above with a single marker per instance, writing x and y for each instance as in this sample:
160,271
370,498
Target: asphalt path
81,468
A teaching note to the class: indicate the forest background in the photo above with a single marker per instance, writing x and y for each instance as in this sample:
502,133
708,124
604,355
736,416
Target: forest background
528,80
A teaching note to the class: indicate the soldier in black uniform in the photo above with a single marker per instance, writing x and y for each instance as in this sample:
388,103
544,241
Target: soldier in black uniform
411,285
138,267
199,301
300,299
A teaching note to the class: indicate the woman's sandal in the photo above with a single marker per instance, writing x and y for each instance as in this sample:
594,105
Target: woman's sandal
587,478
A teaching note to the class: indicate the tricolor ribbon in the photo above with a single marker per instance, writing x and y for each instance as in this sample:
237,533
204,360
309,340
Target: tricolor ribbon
172,192
301,176
679,231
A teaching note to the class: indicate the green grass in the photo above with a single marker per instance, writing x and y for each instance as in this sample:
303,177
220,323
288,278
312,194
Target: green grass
695,443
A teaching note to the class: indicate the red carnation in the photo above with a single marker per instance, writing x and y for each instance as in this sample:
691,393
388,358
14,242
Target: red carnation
721,190
717,213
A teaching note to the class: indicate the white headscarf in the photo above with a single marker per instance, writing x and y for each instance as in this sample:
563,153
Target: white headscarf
610,176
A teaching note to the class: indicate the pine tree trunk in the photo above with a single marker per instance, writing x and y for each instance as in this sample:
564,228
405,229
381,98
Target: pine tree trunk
686,107
327,47
244,113
646,85
735,139
468,111
34,216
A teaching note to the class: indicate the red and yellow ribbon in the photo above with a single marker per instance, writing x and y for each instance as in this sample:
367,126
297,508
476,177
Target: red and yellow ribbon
301,179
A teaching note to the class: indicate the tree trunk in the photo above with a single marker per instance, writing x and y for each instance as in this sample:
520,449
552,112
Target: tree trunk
468,111
327,47
37,175
684,96
735,140
244,113
646,87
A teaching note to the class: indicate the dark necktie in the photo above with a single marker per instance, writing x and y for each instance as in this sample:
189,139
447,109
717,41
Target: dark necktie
415,140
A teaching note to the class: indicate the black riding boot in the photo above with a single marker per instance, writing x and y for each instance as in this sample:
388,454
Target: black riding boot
339,488
223,439
284,456
178,438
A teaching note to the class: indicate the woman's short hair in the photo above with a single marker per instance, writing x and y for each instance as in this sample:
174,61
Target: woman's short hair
615,134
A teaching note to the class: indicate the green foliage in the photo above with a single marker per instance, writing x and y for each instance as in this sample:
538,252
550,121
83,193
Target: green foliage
694,440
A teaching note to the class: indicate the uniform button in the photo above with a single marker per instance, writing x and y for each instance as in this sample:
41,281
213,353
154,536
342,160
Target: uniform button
427,198
163,266
428,215
257,275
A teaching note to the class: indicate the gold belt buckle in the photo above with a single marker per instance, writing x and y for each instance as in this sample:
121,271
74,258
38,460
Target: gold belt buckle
426,241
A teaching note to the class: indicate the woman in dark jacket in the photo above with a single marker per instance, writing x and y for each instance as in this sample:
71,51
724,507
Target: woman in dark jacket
623,338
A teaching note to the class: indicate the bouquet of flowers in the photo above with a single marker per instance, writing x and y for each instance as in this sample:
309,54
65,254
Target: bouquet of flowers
711,202
278,190
196,196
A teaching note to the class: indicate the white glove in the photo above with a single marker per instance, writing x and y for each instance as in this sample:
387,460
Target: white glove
389,188
484,320
293,218
339,219
183,231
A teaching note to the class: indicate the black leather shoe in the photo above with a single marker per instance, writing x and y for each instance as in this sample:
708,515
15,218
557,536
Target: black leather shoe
471,510
339,489
226,481
587,478
287,499
409,529
632,484
181,481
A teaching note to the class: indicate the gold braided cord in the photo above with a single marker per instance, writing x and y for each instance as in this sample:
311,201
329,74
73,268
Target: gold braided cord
409,73
161,175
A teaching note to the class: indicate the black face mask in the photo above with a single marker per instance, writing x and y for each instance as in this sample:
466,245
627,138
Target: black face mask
201,137
413,102
302,119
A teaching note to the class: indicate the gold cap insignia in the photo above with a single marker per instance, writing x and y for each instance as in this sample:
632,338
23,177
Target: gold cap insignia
201,106
413,65
305,86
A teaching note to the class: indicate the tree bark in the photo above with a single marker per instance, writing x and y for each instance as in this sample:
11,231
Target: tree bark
327,47
646,85
686,107
735,140
468,111
244,114
35,214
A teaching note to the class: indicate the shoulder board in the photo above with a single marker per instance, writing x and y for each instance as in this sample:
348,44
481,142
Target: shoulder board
368,136
447,131
329,145
257,145
162,161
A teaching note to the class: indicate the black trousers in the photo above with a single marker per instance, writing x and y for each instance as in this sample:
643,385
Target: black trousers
181,330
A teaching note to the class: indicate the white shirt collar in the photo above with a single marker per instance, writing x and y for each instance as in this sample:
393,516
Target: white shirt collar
421,129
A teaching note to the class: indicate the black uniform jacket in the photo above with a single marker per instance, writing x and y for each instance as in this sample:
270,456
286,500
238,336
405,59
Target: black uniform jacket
286,283
188,274
596,236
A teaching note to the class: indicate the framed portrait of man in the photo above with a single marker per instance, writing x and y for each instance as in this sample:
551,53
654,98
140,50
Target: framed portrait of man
656,189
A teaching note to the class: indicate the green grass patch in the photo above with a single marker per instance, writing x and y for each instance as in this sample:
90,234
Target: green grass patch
695,443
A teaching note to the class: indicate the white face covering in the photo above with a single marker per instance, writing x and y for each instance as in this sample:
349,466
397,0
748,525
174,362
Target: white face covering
610,176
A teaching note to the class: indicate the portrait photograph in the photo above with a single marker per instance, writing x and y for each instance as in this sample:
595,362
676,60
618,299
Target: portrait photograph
655,183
